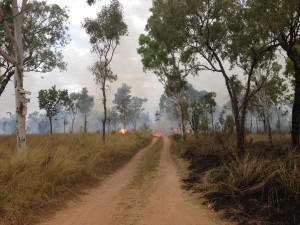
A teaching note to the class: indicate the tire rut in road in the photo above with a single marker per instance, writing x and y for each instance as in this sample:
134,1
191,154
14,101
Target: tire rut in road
168,204
135,197
100,204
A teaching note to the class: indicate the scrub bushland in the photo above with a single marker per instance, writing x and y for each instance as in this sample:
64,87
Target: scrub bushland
261,187
58,168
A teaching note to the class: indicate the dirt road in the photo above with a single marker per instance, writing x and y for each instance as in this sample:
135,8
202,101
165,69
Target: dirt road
158,201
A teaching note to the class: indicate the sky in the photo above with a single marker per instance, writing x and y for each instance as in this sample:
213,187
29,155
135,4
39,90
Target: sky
126,63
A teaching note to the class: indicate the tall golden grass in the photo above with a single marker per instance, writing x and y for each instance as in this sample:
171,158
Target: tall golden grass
262,187
57,169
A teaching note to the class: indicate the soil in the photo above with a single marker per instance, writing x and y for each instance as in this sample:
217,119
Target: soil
158,201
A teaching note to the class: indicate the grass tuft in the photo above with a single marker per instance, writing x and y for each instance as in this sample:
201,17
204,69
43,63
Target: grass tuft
262,187
57,169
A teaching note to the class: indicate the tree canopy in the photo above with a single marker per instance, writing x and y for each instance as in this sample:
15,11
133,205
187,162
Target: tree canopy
43,47
51,101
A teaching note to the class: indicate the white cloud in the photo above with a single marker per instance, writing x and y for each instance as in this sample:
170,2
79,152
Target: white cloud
126,63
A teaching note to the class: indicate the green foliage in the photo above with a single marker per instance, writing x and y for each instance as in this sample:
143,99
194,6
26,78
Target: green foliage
85,101
113,118
122,101
42,48
72,107
290,67
188,37
107,27
102,73
136,109
105,32
51,100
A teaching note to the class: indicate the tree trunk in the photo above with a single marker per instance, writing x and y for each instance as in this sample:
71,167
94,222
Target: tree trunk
21,108
266,114
4,82
50,121
212,121
239,127
124,119
278,119
294,55
105,113
134,123
256,120
72,125
85,123
296,107
250,128
181,129
296,117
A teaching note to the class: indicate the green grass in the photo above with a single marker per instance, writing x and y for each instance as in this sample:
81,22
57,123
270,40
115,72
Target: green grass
57,169
262,187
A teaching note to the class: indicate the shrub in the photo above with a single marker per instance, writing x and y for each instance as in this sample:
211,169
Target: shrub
262,187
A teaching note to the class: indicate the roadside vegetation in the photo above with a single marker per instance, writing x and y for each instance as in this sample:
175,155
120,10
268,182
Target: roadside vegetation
262,187
57,169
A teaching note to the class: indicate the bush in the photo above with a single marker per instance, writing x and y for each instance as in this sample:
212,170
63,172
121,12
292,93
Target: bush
263,187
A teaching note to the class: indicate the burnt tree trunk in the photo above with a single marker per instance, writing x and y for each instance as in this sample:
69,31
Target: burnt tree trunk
296,114
293,55
296,106
105,112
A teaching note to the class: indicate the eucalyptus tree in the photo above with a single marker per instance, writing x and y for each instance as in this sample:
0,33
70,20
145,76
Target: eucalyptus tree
282,30
196,109
85,105
22,50
105,32
210,104
51,101
122,101
42,48
103,75
174,101
9,124
274,92
136,109
210,36
216,35
167,105
145,121
200,104
165,60
37,123
113,117
72,108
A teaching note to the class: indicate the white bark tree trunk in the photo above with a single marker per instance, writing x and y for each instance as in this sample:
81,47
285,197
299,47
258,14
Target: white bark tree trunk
21,107
266,111
15,37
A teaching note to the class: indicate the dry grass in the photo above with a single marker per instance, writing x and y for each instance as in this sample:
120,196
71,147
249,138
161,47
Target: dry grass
148,166
262,187
57,169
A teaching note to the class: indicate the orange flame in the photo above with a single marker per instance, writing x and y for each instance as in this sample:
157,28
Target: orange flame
122,131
